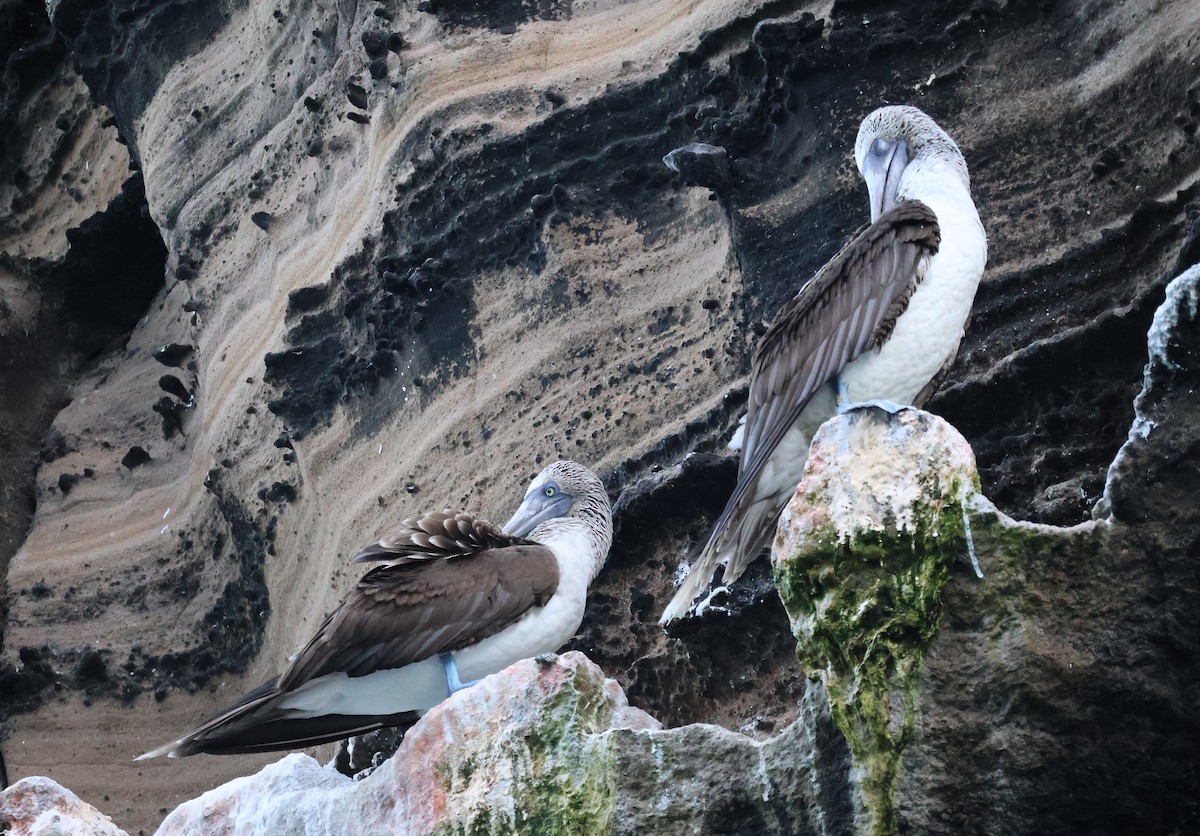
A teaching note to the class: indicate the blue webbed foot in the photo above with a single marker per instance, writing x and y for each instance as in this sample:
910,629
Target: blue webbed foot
453,683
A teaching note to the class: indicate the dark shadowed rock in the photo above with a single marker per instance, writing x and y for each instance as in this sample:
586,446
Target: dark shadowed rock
135,457
173,354
700,164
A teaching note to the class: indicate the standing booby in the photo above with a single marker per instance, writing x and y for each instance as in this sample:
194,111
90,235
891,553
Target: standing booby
880,321
456,597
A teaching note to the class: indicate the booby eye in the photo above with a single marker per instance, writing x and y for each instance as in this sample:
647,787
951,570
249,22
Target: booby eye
880,147
549,491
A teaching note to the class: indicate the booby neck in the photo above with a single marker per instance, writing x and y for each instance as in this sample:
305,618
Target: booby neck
939,188
580,542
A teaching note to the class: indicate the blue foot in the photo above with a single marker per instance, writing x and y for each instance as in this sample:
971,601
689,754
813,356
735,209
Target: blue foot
842,394
887,406
453,683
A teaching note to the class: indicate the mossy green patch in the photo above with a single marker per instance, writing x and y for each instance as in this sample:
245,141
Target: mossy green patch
559,775
863,610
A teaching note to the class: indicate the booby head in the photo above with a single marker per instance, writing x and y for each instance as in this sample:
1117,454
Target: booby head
564,494
894,145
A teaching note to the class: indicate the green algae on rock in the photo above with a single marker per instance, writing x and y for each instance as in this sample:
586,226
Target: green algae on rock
861,555
551,746
523,751
548,771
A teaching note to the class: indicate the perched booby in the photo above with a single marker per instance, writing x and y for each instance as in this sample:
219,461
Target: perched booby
456,598
880,321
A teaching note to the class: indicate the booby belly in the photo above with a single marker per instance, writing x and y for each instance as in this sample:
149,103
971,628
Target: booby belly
879,322
453,599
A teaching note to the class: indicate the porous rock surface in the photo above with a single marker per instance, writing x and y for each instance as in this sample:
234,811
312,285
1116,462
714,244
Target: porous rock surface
409,252
546,746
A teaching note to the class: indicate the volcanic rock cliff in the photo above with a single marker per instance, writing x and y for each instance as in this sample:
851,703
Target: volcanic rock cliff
275,275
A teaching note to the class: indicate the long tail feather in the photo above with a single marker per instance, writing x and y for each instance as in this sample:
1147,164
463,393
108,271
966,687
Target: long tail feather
751,531
254,725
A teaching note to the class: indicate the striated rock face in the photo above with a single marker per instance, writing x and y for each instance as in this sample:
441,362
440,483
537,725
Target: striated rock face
414,250
546,746
80,258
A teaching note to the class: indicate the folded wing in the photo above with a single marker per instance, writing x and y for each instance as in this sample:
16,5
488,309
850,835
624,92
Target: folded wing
444,534
406,612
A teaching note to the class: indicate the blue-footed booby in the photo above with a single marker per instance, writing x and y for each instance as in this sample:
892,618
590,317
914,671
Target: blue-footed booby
455,598
879,322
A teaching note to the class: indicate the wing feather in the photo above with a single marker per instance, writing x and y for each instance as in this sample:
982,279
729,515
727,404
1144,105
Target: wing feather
451,580
405,612
875,273
440,534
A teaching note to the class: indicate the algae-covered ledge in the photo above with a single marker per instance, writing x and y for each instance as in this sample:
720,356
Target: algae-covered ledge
544,765
861,557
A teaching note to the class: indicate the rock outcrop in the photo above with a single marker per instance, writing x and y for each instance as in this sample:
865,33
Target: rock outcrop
1055,693
546,746
862,554
414,250
40,807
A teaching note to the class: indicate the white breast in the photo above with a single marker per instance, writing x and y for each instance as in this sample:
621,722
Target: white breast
928,333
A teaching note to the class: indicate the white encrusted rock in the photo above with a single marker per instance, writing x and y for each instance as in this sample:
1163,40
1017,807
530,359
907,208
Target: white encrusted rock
550,745
525,747
871,470
38,806
861,555
1177,312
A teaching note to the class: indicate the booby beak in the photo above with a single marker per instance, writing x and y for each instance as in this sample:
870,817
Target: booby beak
882,168
545,502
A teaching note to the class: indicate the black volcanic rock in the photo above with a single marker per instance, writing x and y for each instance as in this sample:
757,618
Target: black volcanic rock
375,43
106,44
173,354
135,457
701,164
172,385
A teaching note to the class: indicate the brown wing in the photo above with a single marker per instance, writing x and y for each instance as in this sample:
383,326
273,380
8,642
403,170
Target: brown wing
849,307
444,534
407,612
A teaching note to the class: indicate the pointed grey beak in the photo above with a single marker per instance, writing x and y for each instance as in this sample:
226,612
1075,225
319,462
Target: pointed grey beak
535,510
882,168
